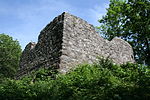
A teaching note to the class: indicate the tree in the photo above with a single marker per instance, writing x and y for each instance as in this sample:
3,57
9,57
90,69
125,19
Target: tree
129,20
10,51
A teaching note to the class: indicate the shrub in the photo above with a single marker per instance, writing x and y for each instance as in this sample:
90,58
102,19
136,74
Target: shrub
86,82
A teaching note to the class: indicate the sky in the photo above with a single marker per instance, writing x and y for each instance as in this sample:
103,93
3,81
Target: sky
24,19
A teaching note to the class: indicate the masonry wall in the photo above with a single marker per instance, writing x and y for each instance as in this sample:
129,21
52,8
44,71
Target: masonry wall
82,44
46,52
68,41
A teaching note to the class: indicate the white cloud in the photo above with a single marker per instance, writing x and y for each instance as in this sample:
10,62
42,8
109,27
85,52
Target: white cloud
33,17
43,8
97,12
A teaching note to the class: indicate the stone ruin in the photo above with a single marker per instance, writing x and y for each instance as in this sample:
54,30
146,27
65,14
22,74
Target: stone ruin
68,41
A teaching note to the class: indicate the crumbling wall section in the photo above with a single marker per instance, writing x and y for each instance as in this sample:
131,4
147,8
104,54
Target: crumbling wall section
82,44
46,52
68,41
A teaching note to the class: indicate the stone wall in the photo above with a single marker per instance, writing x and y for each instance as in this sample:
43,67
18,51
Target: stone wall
68,41
46,52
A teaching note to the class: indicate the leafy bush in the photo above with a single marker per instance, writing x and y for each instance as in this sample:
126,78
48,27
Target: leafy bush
102,80
10,52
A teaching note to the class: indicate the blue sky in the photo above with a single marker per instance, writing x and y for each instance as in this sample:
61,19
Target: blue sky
24,19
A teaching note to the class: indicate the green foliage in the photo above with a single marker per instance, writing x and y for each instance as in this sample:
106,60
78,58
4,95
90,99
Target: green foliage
10,51
130,20
102,80
43,74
